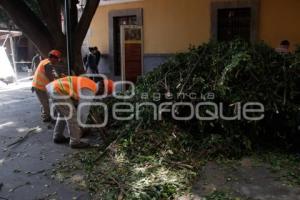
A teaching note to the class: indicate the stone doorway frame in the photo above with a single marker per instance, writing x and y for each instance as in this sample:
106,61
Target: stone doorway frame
138,12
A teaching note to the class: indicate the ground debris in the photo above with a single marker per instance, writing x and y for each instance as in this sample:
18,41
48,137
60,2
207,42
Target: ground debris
48,196
37,172
19,186
23,138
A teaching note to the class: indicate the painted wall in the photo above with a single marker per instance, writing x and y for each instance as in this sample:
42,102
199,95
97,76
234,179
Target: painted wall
172,25
169,25
280,19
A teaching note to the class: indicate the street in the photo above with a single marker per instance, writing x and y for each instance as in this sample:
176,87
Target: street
27,153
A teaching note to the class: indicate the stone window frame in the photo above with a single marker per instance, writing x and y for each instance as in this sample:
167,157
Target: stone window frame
138,12
227,4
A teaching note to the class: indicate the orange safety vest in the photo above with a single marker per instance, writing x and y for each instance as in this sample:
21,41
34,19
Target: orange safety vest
70,86
109,85
40,79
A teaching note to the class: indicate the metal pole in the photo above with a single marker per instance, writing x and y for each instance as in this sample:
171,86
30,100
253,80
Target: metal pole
68,33
12,49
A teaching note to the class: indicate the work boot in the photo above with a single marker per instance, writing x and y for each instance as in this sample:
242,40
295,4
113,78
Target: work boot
79,145
46,119
85,131
62,140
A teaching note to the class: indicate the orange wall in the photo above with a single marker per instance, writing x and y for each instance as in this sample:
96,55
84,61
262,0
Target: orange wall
280,19
172,25
99,29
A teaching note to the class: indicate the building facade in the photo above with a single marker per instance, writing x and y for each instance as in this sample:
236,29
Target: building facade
171,26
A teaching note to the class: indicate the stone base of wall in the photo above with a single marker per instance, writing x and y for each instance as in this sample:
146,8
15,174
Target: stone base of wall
151,61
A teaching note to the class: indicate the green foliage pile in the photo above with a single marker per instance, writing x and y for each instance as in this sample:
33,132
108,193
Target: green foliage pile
236,72
149,159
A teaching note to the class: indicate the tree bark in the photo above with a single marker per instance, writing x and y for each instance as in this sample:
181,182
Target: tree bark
51,14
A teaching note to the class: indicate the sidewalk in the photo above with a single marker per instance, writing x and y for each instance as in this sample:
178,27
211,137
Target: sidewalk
26,167
23,81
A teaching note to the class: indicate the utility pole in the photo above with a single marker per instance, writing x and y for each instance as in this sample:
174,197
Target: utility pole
68,32
12,49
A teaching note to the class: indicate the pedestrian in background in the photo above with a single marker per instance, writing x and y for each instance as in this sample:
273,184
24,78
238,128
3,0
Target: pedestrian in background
284,47
35,62
97,53
92,60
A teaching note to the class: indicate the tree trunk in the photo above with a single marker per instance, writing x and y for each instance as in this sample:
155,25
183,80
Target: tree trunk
78,68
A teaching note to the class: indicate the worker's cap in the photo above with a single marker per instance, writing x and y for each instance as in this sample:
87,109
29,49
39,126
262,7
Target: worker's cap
55,53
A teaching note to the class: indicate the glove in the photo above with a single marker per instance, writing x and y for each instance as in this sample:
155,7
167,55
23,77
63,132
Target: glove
62,75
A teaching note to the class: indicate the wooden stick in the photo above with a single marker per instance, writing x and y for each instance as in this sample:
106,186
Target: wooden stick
23,138
103,131
108,147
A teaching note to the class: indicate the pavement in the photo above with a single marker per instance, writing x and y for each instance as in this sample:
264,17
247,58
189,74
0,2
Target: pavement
27,154
246,180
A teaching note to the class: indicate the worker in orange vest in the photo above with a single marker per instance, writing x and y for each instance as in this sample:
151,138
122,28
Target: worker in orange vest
64,93
41,78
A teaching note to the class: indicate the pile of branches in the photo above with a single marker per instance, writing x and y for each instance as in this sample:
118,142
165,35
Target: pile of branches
236,73
146,158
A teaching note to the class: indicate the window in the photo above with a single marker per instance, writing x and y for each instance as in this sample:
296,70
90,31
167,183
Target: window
234,23
234,19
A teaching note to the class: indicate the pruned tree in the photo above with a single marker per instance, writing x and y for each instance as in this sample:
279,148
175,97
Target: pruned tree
41,22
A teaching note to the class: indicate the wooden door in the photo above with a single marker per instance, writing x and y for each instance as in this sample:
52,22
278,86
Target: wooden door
118,22
132,52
